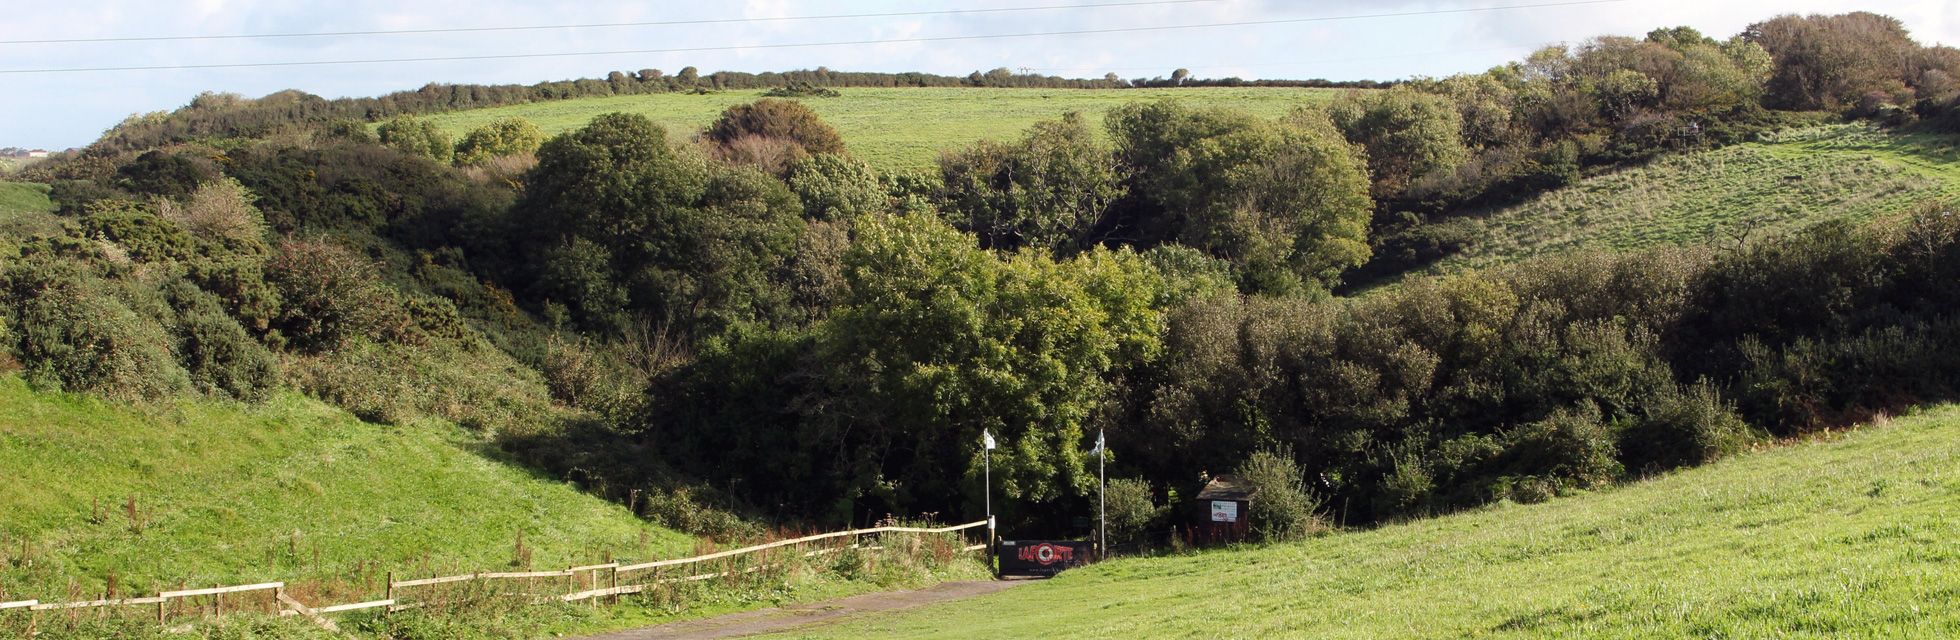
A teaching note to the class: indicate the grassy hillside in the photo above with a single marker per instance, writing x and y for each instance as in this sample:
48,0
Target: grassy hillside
291,490
23,198
1794,180
892,128
1852,536
24,212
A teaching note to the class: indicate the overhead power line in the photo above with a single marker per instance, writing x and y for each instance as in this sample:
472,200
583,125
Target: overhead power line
602,25
840,43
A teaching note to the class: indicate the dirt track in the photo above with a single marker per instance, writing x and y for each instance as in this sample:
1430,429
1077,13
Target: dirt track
783,619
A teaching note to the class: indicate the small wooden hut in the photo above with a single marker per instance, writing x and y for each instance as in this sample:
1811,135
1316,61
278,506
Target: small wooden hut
1226,504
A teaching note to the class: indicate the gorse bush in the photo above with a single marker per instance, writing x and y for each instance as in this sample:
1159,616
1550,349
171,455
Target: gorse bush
503,137
221,357
332,296
71,331
417,138
773,118
1282,508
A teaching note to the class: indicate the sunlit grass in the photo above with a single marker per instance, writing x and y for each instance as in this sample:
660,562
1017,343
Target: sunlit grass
293,490
894,129
1736,194
1849,536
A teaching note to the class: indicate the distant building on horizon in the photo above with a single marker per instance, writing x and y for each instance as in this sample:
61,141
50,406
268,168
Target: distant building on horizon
37,153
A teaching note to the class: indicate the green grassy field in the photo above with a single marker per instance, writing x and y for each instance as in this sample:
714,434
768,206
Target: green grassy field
1850,536
893,129
292,490
1794,180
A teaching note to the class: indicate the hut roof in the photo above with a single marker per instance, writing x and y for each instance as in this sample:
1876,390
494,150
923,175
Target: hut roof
1227,487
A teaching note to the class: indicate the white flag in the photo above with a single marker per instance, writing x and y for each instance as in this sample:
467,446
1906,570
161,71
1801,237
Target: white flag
1099,444
986,439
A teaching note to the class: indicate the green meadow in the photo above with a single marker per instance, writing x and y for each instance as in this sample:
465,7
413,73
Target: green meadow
1849,535
297,491
893,129
1738,193
209,493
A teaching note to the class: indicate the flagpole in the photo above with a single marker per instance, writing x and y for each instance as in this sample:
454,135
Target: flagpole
987,466
1102,490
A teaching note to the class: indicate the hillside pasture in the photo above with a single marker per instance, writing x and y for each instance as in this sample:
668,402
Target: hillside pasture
898,128
209,493
1735,194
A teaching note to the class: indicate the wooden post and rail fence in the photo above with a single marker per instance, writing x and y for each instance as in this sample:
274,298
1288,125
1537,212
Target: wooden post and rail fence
398,596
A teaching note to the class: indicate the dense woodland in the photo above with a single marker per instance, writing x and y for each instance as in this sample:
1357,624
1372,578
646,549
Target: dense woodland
759,322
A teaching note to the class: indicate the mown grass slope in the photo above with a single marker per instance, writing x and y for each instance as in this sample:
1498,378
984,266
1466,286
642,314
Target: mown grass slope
289,490
1852,535
893,129
1793,180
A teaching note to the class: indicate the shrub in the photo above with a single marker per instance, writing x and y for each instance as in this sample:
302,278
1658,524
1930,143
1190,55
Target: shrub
836,187
1571,448
332,295
140,232
773,118
1282,508
773,156
73,333
220,356
416,137
1047,190
502,137
1131,509
161,173
679,508
1690,427
591,376
222,212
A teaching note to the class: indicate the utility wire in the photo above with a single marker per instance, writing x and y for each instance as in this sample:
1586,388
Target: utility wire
604,25
991,36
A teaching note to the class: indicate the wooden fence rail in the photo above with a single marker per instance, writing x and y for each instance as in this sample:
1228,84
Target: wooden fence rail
289,606
791,542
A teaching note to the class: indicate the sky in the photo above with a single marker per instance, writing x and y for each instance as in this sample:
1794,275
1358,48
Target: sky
71,108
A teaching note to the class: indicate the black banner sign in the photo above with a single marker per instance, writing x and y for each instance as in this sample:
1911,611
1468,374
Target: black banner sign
1041,557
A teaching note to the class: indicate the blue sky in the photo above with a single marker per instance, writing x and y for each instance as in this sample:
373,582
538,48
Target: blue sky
61,110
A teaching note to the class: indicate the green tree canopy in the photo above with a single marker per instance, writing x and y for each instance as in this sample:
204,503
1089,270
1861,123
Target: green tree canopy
416,137
502,137
1285,201
1047,190
693,243
1408,134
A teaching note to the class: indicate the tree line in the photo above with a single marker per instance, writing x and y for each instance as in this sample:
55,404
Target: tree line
761,319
